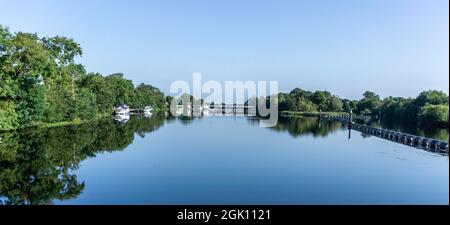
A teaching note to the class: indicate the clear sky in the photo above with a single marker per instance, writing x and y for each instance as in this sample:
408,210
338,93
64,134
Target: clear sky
392,47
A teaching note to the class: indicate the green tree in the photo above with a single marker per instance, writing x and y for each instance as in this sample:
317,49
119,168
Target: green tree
24,62
75,72
85,104
123,89
304,105
431,97
103,90
321,99
433,115
349,105
8,116
147,95
369,104
63,51
335,104
41,82
60,105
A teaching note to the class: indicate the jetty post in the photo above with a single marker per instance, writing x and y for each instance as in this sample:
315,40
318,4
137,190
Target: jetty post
350,120
350,126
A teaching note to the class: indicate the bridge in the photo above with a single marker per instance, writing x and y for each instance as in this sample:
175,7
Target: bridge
235,109
429,144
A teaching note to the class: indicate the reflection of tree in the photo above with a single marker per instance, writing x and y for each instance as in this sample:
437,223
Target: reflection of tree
37,173
38,166
299,126
186,120
183,119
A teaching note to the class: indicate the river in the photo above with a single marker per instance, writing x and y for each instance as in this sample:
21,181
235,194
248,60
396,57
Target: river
215,160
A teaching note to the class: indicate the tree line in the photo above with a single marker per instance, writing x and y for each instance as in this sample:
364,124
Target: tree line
430,108
40,82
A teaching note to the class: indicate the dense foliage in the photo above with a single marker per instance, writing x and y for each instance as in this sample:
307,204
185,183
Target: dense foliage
40,82
430,108
306,101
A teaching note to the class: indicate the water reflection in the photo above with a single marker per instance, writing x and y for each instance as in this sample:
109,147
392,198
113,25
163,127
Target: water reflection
299,126
429,132
38,166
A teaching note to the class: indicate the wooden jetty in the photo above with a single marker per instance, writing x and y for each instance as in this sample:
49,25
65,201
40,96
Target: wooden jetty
428,144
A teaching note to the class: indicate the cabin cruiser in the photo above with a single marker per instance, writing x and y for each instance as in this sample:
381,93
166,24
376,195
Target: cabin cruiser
122,113
121,109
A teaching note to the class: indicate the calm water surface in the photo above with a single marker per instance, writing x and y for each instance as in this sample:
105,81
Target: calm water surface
215,160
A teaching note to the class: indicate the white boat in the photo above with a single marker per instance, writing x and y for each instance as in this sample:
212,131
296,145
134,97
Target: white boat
121,109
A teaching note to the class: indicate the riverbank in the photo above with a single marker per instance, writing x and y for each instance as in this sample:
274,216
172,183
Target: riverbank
74,122
59,124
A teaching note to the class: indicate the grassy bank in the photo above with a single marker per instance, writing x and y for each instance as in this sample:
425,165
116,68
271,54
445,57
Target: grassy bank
310,114
66,123
74,122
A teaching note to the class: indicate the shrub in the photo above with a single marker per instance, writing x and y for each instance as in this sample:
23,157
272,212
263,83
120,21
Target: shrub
8,116
433,115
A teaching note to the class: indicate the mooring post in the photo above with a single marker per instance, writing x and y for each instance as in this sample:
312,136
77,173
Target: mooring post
379,116
350,120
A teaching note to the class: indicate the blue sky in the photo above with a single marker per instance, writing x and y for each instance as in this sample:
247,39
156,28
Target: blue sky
392,47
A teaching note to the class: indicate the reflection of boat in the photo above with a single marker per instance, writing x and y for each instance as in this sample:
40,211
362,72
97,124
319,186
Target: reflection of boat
122,113
179,111
183,111
148,110
122,116
148,114
205,107
205,110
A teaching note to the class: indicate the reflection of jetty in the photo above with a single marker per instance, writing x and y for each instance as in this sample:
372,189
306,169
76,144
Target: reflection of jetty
403,138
